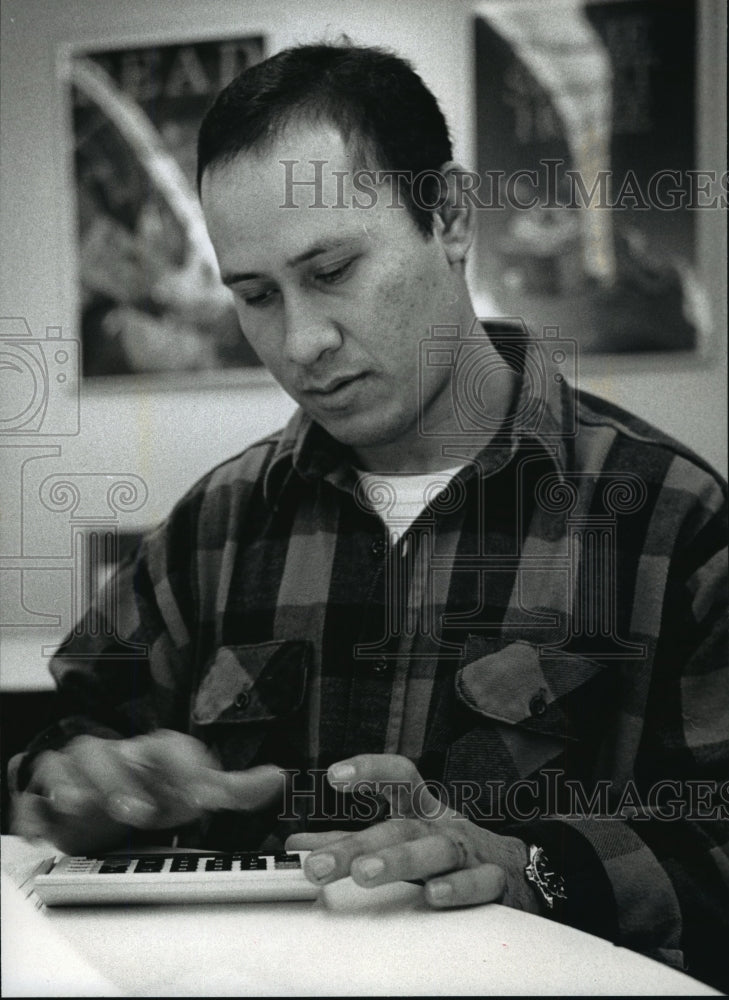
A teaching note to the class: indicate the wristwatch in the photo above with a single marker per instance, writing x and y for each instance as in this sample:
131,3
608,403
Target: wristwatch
548,884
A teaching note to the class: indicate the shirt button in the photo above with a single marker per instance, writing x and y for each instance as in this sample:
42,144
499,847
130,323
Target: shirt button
379,547
242,699
381,665
538,704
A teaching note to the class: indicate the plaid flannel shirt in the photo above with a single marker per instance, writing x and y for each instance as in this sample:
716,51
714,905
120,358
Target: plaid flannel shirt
546,641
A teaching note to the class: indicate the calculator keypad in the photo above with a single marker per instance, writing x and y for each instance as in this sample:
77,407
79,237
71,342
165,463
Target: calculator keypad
241,861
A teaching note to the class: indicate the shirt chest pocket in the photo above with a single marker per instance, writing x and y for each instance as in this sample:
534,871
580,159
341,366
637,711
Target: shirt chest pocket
248,693
522,711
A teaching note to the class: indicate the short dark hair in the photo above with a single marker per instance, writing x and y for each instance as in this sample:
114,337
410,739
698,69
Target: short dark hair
375,98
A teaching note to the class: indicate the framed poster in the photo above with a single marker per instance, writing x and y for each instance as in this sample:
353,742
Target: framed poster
590,190
150,298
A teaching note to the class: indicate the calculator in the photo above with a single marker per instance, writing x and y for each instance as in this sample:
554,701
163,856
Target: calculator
175,877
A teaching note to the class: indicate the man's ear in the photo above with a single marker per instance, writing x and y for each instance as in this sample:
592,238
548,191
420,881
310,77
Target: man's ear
454,223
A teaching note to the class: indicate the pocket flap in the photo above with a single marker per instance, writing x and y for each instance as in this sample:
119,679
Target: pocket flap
253,683
519,686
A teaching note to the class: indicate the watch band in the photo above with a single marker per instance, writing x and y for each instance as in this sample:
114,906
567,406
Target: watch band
548,883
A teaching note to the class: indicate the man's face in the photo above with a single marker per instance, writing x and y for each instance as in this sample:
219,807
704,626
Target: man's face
335,301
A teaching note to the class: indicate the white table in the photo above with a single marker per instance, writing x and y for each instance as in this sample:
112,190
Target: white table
351,941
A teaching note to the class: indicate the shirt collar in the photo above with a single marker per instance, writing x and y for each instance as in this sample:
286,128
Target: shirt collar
304,448
543,415
544,412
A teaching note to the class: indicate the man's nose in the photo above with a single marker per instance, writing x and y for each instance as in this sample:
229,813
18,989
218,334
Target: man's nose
309,333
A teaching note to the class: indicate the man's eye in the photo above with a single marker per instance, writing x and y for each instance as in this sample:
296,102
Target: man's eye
259,298
335,274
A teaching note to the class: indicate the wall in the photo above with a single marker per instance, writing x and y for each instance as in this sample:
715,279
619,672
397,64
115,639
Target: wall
170,438
37,276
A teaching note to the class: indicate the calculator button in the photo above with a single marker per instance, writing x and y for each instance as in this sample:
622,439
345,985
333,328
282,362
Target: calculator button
287,861
218,865
114,868
80,865
184,863
253,863
149,865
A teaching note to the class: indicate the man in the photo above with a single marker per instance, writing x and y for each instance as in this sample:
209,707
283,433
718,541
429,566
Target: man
446,569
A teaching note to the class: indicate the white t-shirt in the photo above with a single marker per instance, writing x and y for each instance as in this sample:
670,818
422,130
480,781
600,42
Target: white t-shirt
399,499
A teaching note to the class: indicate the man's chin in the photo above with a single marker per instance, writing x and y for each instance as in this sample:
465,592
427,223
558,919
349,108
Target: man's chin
358,430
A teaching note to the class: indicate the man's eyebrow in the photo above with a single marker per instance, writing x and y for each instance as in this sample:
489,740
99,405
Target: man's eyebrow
233,277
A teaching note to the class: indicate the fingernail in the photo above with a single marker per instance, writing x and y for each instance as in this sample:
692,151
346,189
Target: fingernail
320,865
440,892
370,867
342,772
129,809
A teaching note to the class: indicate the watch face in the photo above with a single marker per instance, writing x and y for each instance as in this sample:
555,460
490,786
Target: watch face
541,874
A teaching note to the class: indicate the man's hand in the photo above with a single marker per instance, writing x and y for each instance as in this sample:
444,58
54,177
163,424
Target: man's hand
459,862
86,796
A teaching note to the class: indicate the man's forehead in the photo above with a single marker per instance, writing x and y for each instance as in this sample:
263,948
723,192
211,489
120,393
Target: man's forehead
299,150
294,194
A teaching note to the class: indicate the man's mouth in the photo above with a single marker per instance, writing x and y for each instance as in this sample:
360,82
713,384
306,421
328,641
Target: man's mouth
336,391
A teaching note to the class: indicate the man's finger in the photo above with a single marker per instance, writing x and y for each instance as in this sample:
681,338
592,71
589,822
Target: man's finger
467,887
314,841
244,791
122,790
182,775
186,771
67,787
37,816
396,778
32,817
165,757
334,861
412,859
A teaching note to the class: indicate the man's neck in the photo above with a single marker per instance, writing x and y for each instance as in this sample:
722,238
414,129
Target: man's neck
424,455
